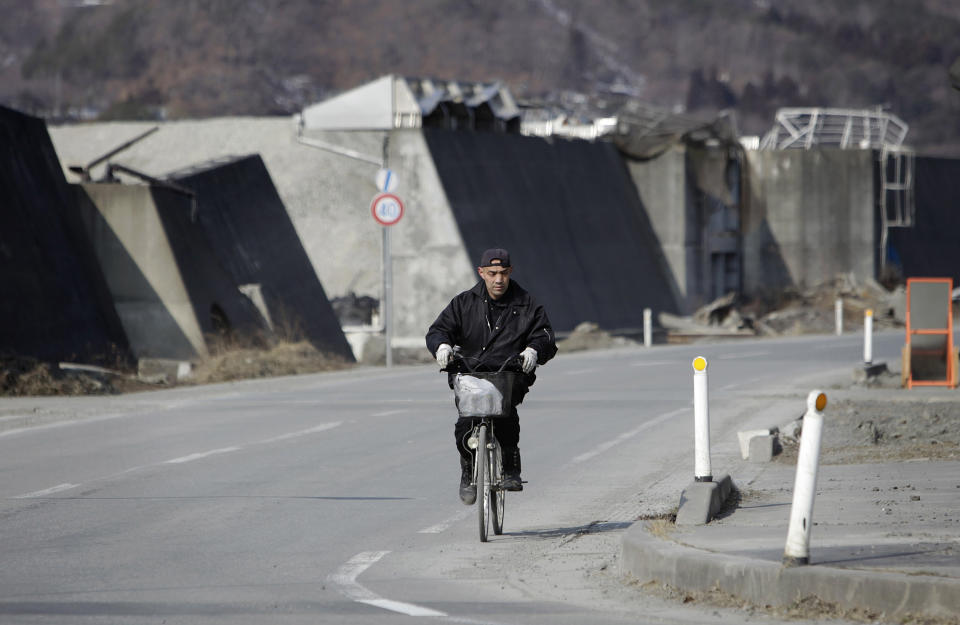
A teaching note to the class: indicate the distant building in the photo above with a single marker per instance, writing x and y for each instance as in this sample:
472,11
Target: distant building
392,101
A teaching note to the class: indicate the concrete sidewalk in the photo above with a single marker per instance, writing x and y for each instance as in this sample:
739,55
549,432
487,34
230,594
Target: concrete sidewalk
886,538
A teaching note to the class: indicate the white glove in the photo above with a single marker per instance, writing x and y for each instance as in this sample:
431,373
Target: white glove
443,355
529,357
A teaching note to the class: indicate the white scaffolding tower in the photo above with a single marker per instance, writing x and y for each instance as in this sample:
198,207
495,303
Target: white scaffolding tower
805,128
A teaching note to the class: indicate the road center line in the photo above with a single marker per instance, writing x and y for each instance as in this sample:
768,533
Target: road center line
742,355
599,449
283,437
184,459
346,578
442,526
202,454
313,430
47,491
387,413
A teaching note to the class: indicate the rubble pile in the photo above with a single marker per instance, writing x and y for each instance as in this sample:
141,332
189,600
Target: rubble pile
588,335
793,311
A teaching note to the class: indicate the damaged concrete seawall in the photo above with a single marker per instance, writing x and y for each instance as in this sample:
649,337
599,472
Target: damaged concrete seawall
54,302
163,277
327,196
252,237
664,189
808,215
519,179
569,214
805,216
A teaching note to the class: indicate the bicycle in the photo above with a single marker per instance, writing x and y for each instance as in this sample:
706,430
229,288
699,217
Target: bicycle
487,454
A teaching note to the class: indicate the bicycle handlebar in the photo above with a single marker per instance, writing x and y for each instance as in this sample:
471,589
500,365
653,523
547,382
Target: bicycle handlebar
459,364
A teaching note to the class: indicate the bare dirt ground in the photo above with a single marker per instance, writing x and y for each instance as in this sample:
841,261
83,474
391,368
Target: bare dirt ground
868,430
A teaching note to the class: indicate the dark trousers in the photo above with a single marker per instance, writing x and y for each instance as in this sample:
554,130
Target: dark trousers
506,429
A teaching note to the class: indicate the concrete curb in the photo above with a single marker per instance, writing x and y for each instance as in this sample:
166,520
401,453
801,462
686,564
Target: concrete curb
648,558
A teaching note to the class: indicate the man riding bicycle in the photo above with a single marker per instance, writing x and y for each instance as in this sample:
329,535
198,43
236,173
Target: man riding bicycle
493,322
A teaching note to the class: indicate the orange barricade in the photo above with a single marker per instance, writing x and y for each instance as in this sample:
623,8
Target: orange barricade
929,350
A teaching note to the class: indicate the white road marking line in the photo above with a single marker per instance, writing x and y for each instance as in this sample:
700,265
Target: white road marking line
47,491
313,430
599,449
346,578
409,609
742,355
188,458
442,526
283,437
387,413
202,454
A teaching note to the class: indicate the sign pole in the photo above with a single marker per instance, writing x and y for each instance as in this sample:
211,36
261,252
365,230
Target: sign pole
387,262
387,209
387,296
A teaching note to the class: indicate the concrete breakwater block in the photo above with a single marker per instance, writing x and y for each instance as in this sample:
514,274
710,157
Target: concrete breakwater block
762,448
759,445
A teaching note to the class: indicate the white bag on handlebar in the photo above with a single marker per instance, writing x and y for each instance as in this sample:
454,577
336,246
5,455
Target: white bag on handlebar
476,397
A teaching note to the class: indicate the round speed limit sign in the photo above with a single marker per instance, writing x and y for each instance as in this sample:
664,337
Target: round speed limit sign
386,208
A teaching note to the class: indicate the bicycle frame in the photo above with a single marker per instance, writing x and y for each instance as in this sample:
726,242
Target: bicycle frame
487,463
487,476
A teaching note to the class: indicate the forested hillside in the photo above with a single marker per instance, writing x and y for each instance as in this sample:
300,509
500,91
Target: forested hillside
113,59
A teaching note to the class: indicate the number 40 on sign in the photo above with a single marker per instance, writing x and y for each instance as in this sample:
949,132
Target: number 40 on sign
386,208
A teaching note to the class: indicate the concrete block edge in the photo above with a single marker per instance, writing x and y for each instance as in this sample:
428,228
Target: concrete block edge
701,501
650,559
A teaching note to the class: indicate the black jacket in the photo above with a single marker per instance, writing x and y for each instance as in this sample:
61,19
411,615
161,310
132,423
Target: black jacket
464,322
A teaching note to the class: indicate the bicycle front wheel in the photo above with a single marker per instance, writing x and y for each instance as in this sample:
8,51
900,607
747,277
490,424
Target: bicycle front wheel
497,494
483,481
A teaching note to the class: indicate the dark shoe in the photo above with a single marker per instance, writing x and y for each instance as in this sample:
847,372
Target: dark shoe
512,481
468,491
511,469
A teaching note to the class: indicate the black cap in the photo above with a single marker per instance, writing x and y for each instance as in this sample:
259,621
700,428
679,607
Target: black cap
495,256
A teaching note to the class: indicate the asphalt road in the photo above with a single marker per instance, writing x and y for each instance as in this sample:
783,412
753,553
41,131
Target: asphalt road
332,498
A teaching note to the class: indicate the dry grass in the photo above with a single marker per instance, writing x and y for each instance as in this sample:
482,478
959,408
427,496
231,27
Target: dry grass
228,363
29,377
229,360
661,528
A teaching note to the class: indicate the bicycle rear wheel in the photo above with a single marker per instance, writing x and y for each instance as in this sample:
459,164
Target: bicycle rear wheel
498,495
483,481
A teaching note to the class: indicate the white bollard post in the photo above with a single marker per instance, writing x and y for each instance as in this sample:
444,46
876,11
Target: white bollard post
838,315
647,327
797,550
701,422
868,337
